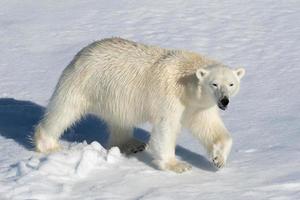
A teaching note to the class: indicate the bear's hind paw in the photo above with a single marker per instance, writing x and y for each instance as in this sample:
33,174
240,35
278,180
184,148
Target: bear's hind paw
133,146
46,144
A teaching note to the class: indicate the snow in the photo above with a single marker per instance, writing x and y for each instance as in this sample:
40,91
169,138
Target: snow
39,38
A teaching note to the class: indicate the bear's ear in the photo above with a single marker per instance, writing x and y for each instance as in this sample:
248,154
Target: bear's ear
240,72
201,73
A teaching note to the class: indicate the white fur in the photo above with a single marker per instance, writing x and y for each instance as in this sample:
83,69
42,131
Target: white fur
127,83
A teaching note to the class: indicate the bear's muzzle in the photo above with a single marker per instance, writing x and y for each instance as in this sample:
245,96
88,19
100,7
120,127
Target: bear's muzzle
223,103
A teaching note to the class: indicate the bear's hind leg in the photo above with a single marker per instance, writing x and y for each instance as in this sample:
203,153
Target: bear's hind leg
59,116
122,137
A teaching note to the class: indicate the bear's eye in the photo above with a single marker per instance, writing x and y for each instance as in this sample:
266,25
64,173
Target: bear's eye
231,84
215,85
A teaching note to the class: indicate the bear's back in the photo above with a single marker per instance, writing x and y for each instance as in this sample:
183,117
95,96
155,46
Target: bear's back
119,53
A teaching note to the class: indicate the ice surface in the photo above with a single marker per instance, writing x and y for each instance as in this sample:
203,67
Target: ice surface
39,38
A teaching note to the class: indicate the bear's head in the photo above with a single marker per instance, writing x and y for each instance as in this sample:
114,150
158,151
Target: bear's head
219,83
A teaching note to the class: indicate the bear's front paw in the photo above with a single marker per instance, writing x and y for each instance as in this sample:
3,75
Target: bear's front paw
220,153
175,166
218,161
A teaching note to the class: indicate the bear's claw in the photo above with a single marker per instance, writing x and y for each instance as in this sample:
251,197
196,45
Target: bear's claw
218,162
219,155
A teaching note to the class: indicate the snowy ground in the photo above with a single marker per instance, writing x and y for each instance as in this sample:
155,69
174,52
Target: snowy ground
39,38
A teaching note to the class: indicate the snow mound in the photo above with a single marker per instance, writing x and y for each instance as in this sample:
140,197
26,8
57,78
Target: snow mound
77,160
52,171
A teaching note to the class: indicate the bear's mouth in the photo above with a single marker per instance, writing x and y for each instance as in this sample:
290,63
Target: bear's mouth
222,107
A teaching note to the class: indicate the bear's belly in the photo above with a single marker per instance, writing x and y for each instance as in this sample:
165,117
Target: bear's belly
120,112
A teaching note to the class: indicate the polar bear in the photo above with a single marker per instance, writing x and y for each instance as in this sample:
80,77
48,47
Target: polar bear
127,83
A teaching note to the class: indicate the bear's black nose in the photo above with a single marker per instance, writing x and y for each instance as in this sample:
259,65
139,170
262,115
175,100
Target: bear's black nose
224,101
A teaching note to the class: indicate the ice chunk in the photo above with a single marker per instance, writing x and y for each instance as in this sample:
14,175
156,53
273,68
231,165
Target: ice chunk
113,155
88,161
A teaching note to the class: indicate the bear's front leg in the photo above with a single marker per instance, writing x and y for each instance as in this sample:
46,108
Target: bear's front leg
219,151
208,127
163,142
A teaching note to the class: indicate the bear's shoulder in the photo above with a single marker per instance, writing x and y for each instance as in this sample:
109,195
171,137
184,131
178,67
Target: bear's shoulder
186,63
